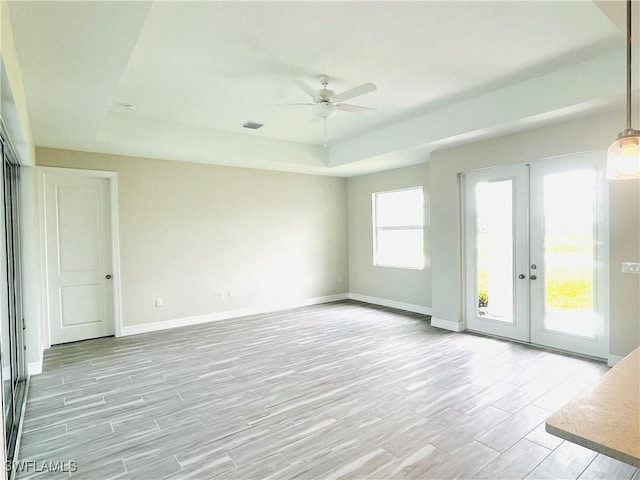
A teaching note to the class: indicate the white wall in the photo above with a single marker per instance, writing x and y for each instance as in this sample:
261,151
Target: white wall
593,133
397,284
32,294
188,231
13,111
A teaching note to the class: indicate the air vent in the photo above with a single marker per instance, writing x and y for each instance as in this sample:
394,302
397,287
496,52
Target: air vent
253,125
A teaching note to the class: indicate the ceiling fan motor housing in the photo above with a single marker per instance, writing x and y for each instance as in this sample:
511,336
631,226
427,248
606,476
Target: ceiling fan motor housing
325,95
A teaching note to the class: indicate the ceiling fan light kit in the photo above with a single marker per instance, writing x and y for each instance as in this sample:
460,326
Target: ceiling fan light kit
325,110
623,156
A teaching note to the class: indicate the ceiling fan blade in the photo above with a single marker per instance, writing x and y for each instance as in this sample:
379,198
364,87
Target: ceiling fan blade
345,107
305,88
290,104
355,92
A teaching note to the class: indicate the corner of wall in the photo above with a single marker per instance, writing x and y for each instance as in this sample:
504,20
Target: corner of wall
13,106
34,368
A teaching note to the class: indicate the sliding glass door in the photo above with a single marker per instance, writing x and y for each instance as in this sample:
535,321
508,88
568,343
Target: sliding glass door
11,326
535,253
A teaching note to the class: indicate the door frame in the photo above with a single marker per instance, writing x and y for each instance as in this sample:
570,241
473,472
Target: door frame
112,177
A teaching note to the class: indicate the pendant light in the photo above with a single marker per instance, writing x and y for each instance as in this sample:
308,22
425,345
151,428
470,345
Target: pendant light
623,156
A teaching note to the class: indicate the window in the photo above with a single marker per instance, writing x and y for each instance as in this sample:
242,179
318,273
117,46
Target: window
398,228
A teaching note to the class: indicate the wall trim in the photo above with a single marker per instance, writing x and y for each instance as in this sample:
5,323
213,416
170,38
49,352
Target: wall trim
34,368
127,330
613,359
410,307
446,324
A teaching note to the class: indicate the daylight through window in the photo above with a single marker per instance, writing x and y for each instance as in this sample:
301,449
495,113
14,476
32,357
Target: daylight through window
398,228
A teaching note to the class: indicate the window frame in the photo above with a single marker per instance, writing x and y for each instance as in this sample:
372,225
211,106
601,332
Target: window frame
376,228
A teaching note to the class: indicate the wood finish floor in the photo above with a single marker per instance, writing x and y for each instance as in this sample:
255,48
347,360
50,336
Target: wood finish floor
342,390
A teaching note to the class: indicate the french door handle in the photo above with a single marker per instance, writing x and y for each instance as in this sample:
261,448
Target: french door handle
533,277
521,276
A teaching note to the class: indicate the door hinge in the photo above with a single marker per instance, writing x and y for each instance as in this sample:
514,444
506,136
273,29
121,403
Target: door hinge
24,325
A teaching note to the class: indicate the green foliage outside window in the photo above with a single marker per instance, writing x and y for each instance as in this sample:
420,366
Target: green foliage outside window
566,289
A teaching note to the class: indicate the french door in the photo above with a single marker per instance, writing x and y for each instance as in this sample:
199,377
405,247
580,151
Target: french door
535,253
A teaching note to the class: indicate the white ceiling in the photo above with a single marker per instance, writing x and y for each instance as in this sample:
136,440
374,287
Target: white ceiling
196,71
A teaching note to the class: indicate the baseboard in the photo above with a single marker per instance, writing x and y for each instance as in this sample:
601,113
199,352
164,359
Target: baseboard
229,314
613,359
410,307
34,368
446,324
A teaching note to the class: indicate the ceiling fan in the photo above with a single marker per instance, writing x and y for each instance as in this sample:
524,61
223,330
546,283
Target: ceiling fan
327,103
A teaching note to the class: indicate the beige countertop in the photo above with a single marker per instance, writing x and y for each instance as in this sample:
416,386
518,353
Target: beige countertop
606,417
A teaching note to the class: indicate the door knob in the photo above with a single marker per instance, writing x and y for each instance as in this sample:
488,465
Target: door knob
521,276
108,277
533,277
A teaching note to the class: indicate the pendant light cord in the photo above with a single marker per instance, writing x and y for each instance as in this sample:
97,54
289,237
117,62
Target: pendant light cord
628,64
623,155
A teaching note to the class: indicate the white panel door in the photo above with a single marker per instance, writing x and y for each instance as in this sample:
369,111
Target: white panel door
79,256
497,251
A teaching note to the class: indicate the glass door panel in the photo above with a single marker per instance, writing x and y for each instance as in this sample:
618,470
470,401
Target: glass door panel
568,240
6,351
11,327
494,250
497,299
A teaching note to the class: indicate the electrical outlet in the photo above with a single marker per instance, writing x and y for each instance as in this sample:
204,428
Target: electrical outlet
631,267
221,294
158,302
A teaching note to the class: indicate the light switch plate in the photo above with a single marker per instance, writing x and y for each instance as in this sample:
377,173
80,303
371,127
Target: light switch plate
631,267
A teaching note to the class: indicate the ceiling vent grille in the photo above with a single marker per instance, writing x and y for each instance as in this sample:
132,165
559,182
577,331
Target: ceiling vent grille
253,125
